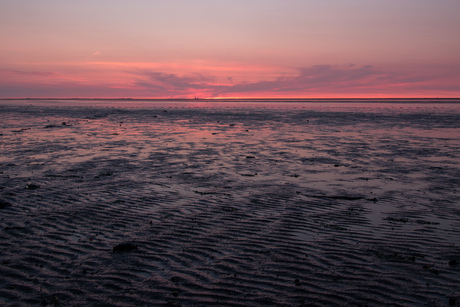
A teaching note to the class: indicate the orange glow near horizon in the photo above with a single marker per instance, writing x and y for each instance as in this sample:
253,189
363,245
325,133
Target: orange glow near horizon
166,80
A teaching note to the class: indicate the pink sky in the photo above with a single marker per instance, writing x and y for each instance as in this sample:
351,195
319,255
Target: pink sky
213,48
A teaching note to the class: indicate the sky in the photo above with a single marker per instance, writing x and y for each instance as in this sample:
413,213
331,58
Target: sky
229,49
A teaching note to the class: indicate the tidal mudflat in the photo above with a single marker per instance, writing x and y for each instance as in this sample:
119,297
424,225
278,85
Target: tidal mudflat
229,203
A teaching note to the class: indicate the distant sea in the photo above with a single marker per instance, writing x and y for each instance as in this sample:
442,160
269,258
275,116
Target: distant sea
284,103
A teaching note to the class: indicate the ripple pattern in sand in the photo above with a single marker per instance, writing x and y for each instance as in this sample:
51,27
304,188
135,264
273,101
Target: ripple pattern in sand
228,208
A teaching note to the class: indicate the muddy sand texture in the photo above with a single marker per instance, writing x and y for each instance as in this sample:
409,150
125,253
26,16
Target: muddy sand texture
222,206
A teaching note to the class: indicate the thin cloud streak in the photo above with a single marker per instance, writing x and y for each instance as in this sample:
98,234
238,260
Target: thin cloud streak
315,79
29,73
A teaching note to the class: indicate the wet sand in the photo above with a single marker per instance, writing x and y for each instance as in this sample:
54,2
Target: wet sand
229,204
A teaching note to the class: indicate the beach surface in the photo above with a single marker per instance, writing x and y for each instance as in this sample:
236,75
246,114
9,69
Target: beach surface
198,203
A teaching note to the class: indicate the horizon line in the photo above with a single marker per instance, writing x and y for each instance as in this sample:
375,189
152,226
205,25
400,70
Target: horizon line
232,98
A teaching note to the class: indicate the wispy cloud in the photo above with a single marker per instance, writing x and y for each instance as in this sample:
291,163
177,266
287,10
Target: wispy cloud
163,84
174,82
29,73
314,79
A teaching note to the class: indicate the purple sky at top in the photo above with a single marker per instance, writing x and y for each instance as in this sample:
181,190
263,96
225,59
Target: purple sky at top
213,48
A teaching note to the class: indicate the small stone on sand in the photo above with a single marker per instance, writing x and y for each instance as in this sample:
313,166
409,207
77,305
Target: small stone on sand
124,247
4,204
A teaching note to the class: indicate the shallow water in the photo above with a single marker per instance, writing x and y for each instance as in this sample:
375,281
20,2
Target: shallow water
230,203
